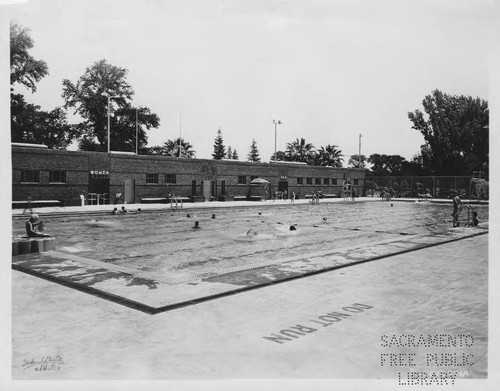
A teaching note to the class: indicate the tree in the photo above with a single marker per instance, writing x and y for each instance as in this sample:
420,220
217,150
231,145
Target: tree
171,148
456,130
235,155
280,156
386,164
328,156
29,124
219,148
24,69
229,153
300,151
253,154
88,99
354,161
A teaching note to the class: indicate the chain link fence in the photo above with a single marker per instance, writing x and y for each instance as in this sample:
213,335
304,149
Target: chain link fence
426,186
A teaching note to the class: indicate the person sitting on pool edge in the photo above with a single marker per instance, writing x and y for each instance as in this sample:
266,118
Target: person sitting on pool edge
31,227
475,220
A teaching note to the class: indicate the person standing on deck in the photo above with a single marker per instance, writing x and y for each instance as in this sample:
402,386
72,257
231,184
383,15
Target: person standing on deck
457,207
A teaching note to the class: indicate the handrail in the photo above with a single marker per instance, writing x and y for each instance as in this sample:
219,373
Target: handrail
470,211
176,199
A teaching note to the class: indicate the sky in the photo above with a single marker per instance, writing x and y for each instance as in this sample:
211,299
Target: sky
328,70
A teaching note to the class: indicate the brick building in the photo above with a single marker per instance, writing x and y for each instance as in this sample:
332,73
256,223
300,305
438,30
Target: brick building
47,174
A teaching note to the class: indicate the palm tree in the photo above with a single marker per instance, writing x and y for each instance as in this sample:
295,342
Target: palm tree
300,151
171,148
328,156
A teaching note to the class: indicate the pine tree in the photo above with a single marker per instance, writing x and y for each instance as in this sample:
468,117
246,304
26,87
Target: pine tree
229,154
253,155
219,148
235,155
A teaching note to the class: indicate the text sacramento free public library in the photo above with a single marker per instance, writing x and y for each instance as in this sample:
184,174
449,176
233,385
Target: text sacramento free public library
437,340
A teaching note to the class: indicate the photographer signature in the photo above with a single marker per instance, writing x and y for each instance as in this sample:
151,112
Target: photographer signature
46,363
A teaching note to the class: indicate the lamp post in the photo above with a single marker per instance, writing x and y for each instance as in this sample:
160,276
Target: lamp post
276,123
109,116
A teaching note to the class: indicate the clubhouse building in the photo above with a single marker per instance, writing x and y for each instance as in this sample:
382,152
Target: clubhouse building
75,177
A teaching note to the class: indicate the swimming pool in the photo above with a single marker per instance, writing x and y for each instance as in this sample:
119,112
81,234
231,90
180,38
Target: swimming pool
241,246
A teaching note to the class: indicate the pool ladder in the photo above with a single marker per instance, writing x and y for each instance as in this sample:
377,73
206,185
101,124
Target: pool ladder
176,200
470,210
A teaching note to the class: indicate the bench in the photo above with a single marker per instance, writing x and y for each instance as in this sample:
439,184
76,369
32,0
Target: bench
153,200
35,204
179,199
323,196
245,198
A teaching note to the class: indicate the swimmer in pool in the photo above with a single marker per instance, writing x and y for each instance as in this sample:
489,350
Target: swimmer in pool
33,227
115,211
124,210
196,225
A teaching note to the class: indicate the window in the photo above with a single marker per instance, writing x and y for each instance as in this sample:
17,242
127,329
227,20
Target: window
317,181
326,181
300,181
334,181
151,178
30,176
242,179
252,177
355,181
57,176
309,181
171,178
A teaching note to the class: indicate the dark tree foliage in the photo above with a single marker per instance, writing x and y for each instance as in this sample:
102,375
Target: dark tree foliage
354,161
253,154
88,98
387,164
300,151
29,124
229,153
175,148
329,155
280,156
219,148
456,131
24,69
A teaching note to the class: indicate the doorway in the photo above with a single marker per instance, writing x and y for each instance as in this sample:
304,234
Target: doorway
129,191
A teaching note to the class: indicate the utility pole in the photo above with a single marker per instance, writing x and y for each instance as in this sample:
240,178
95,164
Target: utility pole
180,133
359,152
137,131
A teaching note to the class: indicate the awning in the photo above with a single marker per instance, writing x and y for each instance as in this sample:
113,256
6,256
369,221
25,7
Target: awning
259,181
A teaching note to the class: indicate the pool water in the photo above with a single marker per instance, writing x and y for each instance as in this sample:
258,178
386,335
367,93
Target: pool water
165,242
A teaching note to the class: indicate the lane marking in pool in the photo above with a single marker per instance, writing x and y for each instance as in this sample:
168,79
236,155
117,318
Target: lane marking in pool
185,278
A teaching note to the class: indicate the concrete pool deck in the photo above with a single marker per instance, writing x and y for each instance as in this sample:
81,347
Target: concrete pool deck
187,205
281,331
